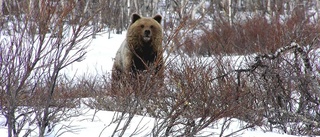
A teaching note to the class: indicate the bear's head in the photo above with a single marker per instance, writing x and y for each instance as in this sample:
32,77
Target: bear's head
146,29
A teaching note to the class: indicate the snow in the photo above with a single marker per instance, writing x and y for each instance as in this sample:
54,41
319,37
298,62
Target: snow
96,123
99,58
101,125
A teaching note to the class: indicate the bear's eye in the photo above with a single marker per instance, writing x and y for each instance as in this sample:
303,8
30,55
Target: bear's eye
151,26
142,26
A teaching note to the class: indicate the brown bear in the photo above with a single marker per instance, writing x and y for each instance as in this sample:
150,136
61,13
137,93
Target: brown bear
141,50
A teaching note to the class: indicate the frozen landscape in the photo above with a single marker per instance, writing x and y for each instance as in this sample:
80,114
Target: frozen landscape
232,68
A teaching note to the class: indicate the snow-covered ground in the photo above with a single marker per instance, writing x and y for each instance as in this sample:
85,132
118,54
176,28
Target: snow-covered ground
94,124
99,58
100,125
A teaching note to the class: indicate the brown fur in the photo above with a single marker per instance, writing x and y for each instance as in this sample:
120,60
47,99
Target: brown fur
141,50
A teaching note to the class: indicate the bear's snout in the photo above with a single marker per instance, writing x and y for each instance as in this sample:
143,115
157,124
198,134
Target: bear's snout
147,35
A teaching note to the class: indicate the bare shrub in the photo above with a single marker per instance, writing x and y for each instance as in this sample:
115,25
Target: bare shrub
289,87
36,44
256,33
195,100
282,90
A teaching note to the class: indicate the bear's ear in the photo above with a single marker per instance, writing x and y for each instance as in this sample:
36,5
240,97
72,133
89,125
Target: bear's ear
158,18
135,17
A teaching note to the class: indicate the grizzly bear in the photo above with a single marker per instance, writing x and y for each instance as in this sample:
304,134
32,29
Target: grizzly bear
141,50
